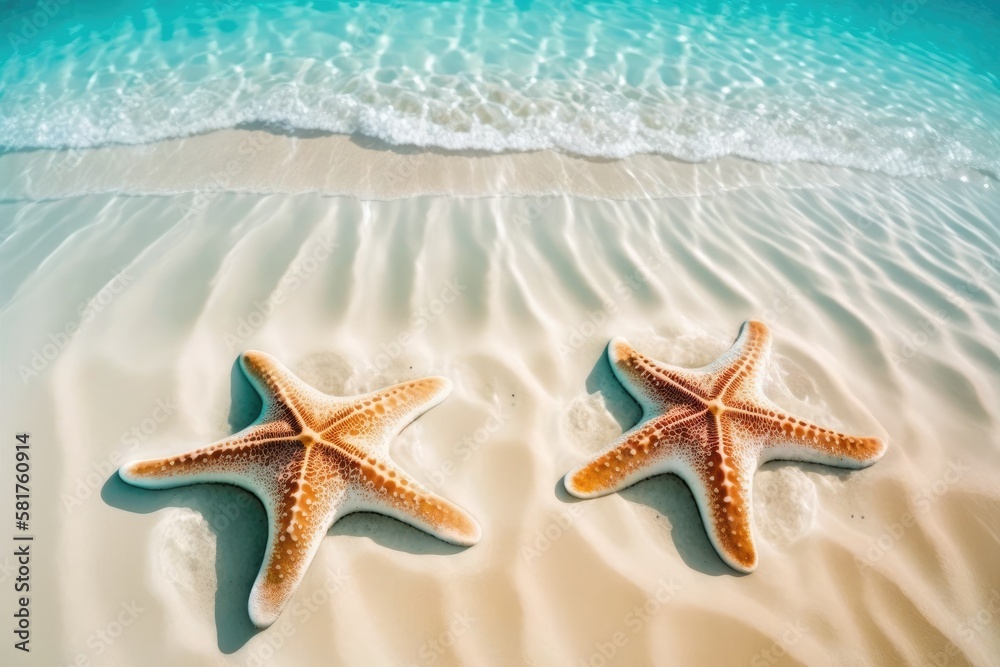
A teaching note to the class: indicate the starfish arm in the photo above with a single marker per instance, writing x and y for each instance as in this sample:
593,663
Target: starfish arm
642,452
302,502
722,487
278,387
310,458
739,369
253,452
388,490
732,428
378,417
654,385
788,438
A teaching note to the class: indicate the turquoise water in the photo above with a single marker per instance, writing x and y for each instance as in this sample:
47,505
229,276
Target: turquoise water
905,88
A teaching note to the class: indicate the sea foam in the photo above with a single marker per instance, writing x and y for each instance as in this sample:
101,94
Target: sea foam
607,81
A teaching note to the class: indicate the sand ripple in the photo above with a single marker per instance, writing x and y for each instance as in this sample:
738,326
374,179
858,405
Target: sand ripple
882,295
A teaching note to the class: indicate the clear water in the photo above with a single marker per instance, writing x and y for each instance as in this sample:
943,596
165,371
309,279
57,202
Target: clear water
905,88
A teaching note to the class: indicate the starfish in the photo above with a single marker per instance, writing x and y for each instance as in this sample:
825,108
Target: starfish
311,458
712,427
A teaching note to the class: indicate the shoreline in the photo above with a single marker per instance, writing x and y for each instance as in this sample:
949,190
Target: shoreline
255,161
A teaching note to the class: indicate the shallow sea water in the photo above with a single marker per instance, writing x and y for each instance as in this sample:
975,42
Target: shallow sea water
907,89
530,158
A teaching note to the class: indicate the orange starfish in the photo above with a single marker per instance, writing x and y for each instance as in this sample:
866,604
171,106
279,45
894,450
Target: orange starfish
311,458
712,427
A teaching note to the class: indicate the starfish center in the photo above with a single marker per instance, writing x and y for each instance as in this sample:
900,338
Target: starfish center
309,438
685,433
304,491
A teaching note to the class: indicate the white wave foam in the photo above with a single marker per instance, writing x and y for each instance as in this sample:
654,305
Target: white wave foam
552,78
691,130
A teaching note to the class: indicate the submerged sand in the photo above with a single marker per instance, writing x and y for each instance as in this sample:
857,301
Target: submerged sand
259,161
124,308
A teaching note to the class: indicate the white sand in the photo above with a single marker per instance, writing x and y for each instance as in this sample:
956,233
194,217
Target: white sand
261,162
882,295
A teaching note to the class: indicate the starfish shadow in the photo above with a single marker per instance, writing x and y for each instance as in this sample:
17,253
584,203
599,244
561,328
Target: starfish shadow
237,520
841,474
235,516
667,494
671,498
620,404
392,533
246,404
239,523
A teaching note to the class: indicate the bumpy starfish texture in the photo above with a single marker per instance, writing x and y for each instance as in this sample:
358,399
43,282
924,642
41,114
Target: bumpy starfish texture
712,427
312,458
